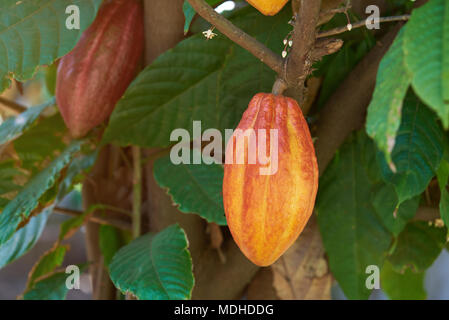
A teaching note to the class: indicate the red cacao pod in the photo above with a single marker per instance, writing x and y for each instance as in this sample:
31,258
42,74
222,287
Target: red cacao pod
267,212
95,74
268,7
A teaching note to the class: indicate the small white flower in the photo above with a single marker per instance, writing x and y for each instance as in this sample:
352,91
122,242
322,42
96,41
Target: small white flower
290,43
285,41
209,34
284,54
349,27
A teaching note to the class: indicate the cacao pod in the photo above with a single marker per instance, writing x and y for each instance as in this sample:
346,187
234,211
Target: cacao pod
95,74
267,212
268,7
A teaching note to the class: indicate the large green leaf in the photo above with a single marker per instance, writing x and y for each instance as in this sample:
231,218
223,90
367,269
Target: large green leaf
155,266
426,47
353,235
52,287
47,264
384,111
385,201
34,33
24,239
196,188
418,150
7,174
41,143
12,127
77,167
408,285
27,200
211,81
418,246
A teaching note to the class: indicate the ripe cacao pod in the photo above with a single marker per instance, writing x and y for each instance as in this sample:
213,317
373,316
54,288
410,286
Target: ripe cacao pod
268,7
95,74
266,213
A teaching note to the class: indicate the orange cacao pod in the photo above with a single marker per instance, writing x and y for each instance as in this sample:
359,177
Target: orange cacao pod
95,74
268,7
267,212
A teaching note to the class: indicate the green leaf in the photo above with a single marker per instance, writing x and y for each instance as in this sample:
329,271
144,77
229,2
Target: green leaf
444,206
34,33
155,266
443,174
51,288
443,178
110,242
189,13
70,226
210,81
47,264
384,111
195,188
418,150
24,239
12,127
402,286
385,201
27,200
41,143
50,78
353,236
78,165
7,174
418,246
426,47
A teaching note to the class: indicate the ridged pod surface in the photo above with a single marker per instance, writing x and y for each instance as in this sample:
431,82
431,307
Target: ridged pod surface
95,74
267,212
268,7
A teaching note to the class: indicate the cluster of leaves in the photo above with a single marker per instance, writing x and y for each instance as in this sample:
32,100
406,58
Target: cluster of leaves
367,198
370,194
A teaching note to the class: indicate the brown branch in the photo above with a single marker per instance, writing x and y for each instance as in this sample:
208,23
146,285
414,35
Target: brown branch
359,24
137,191
12,105
123,222
299,62
324,47
238,36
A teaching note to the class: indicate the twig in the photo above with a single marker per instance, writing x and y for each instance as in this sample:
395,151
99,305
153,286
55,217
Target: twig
12,105
238,36
359,24
137,191
299,61
123,223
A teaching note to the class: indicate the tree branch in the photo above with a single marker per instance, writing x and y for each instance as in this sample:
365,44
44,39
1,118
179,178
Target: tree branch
237,35
137,191
12,105
359,24
299,61
123,222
